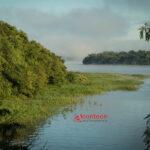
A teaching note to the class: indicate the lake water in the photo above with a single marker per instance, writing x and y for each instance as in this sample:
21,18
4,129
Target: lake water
123,129
127,69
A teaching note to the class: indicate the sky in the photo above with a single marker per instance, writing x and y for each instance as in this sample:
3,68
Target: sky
75,28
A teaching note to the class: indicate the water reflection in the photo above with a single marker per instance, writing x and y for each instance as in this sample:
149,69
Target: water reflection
8,132
13,136
147,133
123,130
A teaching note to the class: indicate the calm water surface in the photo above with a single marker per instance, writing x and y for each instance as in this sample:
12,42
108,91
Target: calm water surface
123,129
129,69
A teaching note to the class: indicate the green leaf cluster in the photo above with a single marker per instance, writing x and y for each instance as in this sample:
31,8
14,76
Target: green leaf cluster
26,66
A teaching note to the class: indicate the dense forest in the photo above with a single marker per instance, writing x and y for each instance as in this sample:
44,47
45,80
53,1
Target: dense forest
132,57
26,66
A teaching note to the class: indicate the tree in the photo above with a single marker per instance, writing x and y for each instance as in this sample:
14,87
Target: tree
145,32
131,58
26,66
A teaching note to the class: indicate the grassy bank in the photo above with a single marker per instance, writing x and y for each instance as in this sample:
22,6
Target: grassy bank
51,99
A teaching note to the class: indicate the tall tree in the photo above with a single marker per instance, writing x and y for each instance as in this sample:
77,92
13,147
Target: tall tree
145,31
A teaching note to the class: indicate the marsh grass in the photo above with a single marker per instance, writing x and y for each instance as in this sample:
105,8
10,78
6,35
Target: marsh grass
50,100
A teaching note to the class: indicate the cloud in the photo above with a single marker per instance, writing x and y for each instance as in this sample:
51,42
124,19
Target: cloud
138,4
136,11
75,33
82,22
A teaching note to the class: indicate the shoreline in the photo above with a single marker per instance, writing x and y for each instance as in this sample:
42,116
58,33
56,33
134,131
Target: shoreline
50,99
27,115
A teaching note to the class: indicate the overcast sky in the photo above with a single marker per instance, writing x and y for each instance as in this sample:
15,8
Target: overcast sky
75,28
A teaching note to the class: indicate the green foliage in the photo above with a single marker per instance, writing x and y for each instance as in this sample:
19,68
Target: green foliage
76,77
26,66
131,58
145,32
71,77
53,97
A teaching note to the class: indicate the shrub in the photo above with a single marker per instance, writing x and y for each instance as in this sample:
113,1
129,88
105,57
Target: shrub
76,77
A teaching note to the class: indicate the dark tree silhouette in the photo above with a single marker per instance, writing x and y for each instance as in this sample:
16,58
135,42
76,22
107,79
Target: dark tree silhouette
145,31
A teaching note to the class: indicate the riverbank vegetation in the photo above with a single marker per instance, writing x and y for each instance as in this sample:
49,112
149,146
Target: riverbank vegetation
20,117
54,97
35,84
140,57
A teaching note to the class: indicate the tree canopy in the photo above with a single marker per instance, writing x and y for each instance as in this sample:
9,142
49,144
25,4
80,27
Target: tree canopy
145,32
26,66
132,57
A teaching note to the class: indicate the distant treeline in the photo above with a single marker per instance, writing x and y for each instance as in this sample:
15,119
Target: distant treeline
132,57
